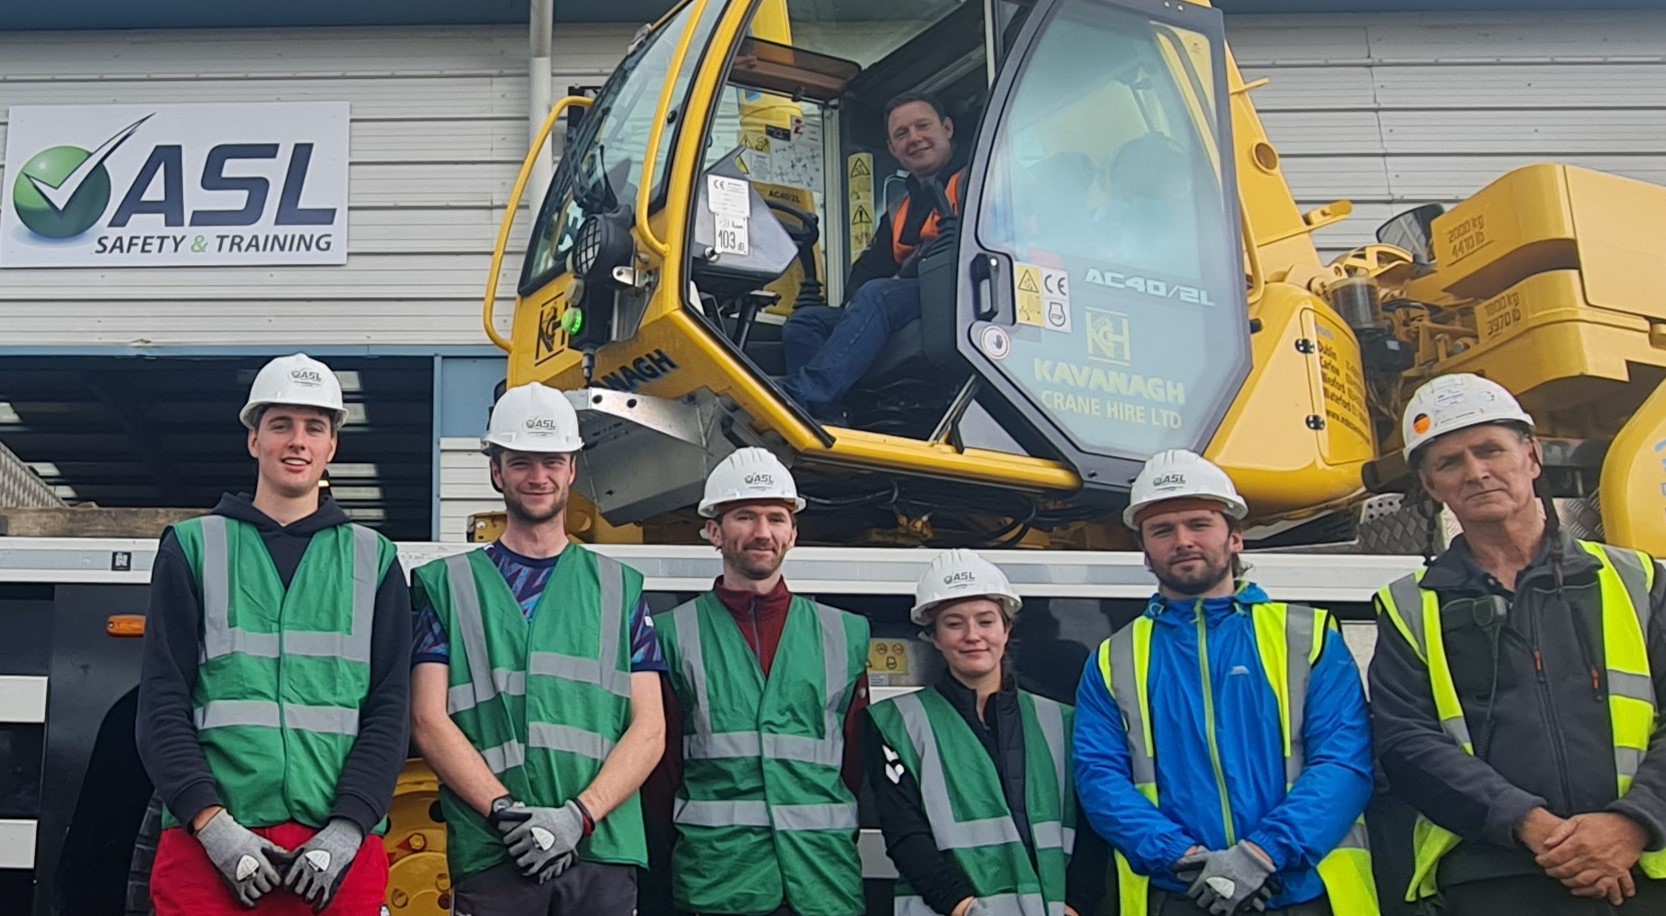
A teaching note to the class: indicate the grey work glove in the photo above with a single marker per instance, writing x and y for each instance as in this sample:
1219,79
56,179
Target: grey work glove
542,841
243,859
1228,881
321,863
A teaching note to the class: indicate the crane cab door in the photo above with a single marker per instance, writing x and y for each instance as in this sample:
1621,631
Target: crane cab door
1098,290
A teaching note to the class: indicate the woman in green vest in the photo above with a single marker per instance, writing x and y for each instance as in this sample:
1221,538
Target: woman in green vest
972,776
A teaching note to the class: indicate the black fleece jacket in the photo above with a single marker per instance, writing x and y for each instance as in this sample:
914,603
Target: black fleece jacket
1543,741
934,874
166,732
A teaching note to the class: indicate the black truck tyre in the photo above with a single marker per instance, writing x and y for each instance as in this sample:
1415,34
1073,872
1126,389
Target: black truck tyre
144,855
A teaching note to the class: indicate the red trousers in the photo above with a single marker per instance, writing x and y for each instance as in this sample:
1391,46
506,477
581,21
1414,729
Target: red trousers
183,882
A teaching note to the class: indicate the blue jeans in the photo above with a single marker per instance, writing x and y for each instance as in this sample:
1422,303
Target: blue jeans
828,350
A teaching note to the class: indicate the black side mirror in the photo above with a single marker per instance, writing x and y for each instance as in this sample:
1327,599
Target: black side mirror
1413,231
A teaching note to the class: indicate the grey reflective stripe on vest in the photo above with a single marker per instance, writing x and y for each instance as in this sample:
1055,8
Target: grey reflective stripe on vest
567,739
1409,601
1356,837
758,813
220,638
949,832
329,720
1298,642
1629,565
504,757
504,681
701,743
471,628
1050,719
1126,688
608,675
998,905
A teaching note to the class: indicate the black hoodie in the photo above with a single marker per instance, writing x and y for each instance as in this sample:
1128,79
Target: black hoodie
165,729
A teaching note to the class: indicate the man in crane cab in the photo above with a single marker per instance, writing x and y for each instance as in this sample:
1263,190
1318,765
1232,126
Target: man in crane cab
767,689
971,776
535,692
273,694
1517,683
828,350
1221,743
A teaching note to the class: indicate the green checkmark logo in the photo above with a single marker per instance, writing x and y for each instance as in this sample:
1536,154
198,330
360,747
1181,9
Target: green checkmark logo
51,168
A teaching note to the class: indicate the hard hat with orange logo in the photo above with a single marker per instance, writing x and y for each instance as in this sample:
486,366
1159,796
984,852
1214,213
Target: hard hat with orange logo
1453,402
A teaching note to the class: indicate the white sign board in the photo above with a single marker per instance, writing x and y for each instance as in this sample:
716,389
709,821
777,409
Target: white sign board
106,186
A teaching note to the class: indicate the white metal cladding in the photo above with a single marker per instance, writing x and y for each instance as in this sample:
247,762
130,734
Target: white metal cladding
439,129
465,487
1392,111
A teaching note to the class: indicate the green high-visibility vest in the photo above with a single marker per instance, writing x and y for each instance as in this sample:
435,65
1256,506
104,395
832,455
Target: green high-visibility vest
1626,577
967,806
1288,638
544,702
762,816
282,672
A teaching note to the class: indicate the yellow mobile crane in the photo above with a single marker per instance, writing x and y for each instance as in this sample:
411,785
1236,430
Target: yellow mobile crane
1101,305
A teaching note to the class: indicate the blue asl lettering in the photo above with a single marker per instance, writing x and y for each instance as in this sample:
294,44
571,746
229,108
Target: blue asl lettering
290,211
254,188
168,160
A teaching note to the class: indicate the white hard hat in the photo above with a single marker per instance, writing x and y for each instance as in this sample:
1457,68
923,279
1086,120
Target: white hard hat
1452,402
748,474
1181,474
957,574
533,418
299,380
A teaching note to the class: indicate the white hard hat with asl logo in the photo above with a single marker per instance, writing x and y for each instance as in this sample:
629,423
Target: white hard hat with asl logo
533,418
957,574
298,380
748,474
1181,474
1453,402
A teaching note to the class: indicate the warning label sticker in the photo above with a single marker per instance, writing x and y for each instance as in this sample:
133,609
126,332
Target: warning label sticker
1027,294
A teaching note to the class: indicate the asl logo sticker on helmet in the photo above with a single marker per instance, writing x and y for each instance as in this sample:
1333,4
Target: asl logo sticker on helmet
963,577
306,376
1169,480
541,424
759,480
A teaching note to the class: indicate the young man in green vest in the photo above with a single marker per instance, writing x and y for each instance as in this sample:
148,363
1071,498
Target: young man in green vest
971,775
1222,745
767,688
1517,684
535,693
273,695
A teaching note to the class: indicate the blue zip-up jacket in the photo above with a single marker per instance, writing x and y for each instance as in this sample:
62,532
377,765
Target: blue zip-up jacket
1296,828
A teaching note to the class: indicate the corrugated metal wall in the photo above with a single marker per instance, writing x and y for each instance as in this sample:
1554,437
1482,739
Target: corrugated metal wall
465,487
1392,111
438,133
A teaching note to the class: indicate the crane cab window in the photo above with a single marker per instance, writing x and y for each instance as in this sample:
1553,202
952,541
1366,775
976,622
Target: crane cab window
801,119
1106,179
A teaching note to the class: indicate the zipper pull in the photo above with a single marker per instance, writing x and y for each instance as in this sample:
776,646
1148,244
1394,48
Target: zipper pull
1596,685
1539,666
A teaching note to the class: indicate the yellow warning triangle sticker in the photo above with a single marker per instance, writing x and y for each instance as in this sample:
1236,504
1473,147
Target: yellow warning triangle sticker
1026,282
740,163
861,215
859,167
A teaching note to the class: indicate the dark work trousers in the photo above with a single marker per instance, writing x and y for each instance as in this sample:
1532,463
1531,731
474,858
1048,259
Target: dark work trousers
1542,895
586,889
